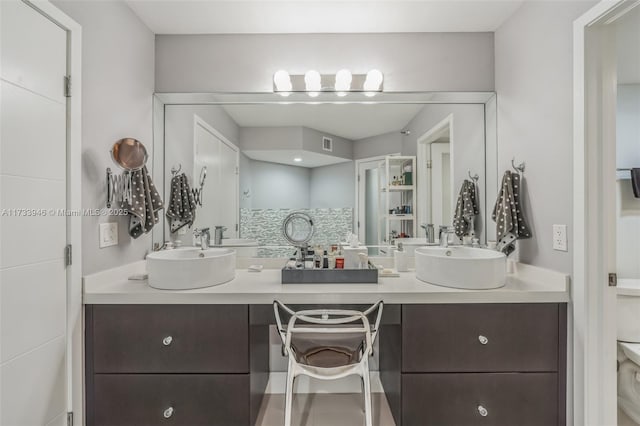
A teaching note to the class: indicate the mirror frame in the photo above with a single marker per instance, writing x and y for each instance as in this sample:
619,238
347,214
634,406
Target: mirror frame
487,99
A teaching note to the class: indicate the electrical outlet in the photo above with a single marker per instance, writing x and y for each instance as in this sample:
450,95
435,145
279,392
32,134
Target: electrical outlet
108,234
560,237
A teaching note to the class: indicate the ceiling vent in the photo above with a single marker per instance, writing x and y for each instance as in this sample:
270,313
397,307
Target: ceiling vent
327,144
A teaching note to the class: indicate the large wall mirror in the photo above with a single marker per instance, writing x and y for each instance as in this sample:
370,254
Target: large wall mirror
379,167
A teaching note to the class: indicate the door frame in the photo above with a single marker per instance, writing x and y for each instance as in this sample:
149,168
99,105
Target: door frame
593,301
359,201
423,155
199,121
75,320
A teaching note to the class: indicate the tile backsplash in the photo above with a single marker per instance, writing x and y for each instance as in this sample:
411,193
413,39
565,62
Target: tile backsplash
265,225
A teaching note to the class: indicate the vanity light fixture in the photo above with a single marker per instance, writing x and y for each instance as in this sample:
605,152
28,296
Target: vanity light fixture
282,83
341,83
313,83
373,83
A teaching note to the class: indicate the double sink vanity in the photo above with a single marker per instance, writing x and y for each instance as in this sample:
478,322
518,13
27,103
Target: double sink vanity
462,342
447,356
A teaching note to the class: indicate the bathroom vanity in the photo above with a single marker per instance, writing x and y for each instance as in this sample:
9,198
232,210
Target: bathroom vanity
447,356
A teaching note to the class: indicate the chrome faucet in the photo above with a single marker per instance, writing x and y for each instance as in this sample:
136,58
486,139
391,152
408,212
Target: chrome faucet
205,237
429,231
445,231
218,235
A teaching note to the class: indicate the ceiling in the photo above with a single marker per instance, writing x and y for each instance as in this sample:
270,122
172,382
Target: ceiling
329,16
350,121
308,159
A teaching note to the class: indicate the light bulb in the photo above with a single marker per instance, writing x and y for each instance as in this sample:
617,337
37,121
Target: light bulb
373,82
297,159
343,82
313,82
282,81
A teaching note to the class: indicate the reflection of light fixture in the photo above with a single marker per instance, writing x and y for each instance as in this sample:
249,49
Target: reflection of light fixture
282,81
313,83
373,83
343,82
297,159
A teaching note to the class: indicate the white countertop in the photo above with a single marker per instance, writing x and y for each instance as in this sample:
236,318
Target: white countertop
527,285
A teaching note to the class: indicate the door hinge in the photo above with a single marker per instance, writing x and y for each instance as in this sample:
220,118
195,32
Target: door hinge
70,418
613,280
67,86
68,255
358,178
237,170
429,164
358,224
236,227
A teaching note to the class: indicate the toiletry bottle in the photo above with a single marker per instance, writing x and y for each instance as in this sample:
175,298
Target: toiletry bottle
317,258
325,260
400,259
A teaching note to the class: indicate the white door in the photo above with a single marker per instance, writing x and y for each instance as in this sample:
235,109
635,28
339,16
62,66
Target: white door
220,195
441,205
33,282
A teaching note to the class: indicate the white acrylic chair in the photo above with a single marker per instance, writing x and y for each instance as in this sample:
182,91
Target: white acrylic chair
328,344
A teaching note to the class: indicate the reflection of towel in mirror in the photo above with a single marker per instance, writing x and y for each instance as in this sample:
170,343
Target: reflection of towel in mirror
508,214
635,182
466,210
181,210
144,204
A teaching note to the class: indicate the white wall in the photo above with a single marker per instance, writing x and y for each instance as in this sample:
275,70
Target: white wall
534,80
246,63
117,88
332,186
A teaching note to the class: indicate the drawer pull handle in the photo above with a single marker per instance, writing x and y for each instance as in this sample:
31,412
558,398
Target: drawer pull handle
168,412
167,340
483,339
483,411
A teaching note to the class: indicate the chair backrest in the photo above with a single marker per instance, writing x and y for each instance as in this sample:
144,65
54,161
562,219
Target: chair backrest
328,321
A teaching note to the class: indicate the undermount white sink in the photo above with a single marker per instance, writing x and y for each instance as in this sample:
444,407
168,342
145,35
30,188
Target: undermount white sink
190,267
461,267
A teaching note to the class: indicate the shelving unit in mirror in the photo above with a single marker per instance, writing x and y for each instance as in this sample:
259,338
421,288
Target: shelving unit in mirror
397,200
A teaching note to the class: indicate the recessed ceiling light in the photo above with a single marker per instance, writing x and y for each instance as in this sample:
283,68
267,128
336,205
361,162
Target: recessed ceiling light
297,159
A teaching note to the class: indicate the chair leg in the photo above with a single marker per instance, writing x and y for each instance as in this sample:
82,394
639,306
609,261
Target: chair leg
288,400
367,397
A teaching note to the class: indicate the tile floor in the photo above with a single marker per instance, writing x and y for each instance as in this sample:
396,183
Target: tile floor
343,409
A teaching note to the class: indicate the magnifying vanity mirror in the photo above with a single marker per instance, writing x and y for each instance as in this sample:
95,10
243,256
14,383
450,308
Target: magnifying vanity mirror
382,168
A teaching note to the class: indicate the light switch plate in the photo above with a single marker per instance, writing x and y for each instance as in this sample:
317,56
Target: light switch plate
560,237
108,234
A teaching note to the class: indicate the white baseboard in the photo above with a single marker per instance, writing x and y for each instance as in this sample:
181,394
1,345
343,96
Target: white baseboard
305,384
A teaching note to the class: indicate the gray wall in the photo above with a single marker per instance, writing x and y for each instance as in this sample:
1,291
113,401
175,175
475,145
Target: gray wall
278,186
246,63
312,141
332,186
534,81
374,146
117,89
261,138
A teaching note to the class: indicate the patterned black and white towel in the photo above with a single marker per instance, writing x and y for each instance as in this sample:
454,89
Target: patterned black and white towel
181,210
466,210
508,214
144,204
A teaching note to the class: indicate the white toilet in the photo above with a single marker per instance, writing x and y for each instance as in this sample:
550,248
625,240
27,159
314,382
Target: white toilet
628,313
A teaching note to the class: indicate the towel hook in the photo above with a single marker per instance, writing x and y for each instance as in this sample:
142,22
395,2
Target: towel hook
174,170
474,178
198,193
518,168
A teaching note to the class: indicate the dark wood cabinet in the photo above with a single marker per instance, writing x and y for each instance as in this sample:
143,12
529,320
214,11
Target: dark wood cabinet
171,399
477,365
440,364
480,338
178,365
170,339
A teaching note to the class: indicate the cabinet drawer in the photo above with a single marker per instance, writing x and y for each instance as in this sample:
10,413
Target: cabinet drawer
480,338
486,399
170,338
171,399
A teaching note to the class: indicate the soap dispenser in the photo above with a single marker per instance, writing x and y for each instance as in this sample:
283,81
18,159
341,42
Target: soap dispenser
400,259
